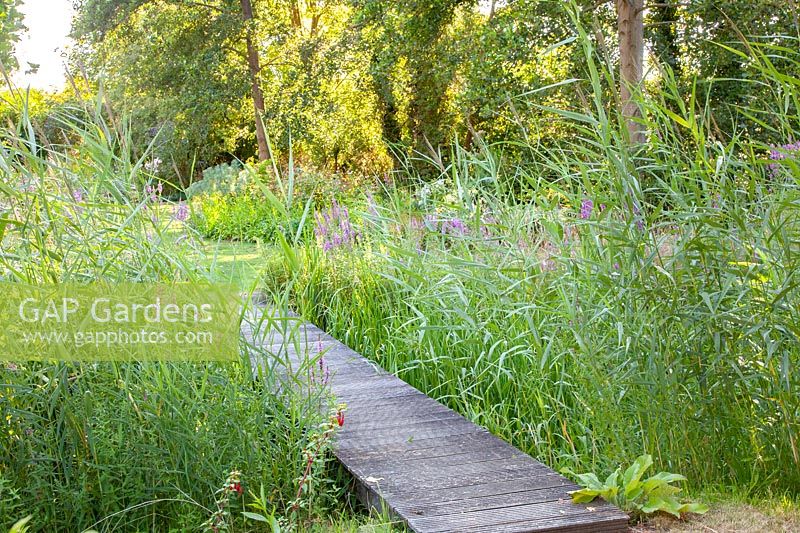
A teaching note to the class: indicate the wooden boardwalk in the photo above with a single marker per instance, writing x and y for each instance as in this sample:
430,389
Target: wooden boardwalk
425,463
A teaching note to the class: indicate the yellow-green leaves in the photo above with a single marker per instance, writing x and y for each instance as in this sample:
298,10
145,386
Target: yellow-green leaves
632,494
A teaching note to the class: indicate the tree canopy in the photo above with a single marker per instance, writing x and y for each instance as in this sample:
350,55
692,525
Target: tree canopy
341,78
11,28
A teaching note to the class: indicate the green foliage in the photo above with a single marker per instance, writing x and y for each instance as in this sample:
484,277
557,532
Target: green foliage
20,526
261,513
705,31
665,318
97,442
54,117
180,70
132,446
67,209
11,29
174,71
256,203
243,217
413,66
230,204
632,494
341,78
226,178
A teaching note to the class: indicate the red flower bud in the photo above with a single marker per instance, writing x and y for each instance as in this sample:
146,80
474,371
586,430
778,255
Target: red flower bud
340,418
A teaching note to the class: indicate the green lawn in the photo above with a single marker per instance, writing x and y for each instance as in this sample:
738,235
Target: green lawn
235,262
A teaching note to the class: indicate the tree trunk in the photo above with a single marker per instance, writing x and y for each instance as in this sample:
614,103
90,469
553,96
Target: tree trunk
297,19
630,19
258,97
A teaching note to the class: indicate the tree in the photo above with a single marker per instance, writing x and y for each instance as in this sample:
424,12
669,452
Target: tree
217,30
175,69
508,52
630,20
413,65
11,28
253,64
191,69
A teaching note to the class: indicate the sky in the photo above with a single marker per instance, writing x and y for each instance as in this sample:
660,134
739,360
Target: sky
48,23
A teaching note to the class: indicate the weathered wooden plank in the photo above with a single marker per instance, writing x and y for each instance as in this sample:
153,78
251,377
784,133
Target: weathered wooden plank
484,490
365,409
430,430
441,456
446,479
419,459
511,522
458,445
548,489
561,512
397,424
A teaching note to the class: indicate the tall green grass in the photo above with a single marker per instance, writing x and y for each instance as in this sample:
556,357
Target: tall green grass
133,446
666,321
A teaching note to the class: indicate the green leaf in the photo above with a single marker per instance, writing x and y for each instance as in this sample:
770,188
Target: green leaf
613,479
20,526
635,494
584,495
255,516
609,494
630,480
665,504
659,480
590,481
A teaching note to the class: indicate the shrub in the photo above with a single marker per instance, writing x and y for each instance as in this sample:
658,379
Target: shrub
257,204
226,178
242,217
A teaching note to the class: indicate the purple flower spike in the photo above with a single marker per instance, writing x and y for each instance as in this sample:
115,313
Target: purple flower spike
453,226
780,153
181,212
587,206
334,229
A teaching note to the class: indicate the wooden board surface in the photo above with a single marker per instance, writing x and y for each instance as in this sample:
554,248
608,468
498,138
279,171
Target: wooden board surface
420,460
